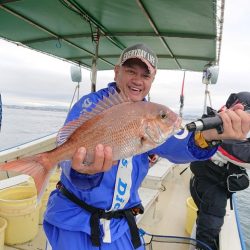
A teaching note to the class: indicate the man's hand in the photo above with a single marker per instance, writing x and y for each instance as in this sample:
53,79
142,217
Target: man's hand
236,125
103,160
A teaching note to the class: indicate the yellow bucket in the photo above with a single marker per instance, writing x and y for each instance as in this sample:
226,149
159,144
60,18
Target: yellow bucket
191,215
18,205
3,225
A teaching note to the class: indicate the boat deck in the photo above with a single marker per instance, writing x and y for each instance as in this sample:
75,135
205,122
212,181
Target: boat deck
168,217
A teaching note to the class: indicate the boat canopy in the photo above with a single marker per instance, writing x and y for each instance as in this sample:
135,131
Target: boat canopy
185,34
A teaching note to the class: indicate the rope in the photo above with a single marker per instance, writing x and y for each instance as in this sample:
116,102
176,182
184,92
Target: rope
76,92
173,239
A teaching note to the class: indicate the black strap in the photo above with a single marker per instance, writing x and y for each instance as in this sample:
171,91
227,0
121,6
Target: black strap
98,213
134,231
94,218
95,231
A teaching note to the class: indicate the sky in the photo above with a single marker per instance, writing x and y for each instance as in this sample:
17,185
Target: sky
32,78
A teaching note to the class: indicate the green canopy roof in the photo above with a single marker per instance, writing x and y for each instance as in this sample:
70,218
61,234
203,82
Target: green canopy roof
185,34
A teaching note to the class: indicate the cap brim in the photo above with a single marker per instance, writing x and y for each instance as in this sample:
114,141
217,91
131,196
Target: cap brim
151,69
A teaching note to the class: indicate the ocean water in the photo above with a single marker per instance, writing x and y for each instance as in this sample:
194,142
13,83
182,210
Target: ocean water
23,124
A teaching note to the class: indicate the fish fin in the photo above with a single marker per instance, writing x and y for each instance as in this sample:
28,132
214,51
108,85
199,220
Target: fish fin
36,166
113,99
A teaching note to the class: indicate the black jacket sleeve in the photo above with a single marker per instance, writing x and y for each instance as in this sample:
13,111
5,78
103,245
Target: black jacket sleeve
237,149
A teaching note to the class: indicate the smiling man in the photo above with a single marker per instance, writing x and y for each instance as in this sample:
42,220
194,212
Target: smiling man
94,205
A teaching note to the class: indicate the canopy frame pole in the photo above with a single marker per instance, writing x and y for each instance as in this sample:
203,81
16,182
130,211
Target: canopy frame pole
182,96
47,31
96,39
76,94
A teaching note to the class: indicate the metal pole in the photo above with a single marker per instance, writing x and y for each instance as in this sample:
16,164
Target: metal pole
78,90
205,101
182,96
94,62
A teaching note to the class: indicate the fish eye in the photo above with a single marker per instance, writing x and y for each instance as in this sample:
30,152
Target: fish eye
163,115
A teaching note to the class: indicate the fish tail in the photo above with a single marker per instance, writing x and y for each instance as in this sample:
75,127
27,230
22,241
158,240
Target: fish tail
38,167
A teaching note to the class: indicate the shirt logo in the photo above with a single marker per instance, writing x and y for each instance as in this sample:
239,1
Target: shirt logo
87,103
182,135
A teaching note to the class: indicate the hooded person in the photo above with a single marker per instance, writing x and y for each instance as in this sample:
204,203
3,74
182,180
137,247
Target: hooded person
215,180
241,97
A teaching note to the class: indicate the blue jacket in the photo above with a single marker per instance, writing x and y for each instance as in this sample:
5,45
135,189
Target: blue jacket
98,189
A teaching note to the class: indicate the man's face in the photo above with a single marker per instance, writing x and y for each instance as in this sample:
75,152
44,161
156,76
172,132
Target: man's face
133,79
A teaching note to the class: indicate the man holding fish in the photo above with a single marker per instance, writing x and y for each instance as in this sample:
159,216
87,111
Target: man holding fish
114,187
103,151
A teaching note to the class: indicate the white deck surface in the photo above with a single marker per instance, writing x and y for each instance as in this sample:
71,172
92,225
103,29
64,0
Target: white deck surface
170,213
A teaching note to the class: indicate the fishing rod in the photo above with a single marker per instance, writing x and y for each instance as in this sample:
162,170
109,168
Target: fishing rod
182,95
207,123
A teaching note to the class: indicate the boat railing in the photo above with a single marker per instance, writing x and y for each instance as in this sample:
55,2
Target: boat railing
32,147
